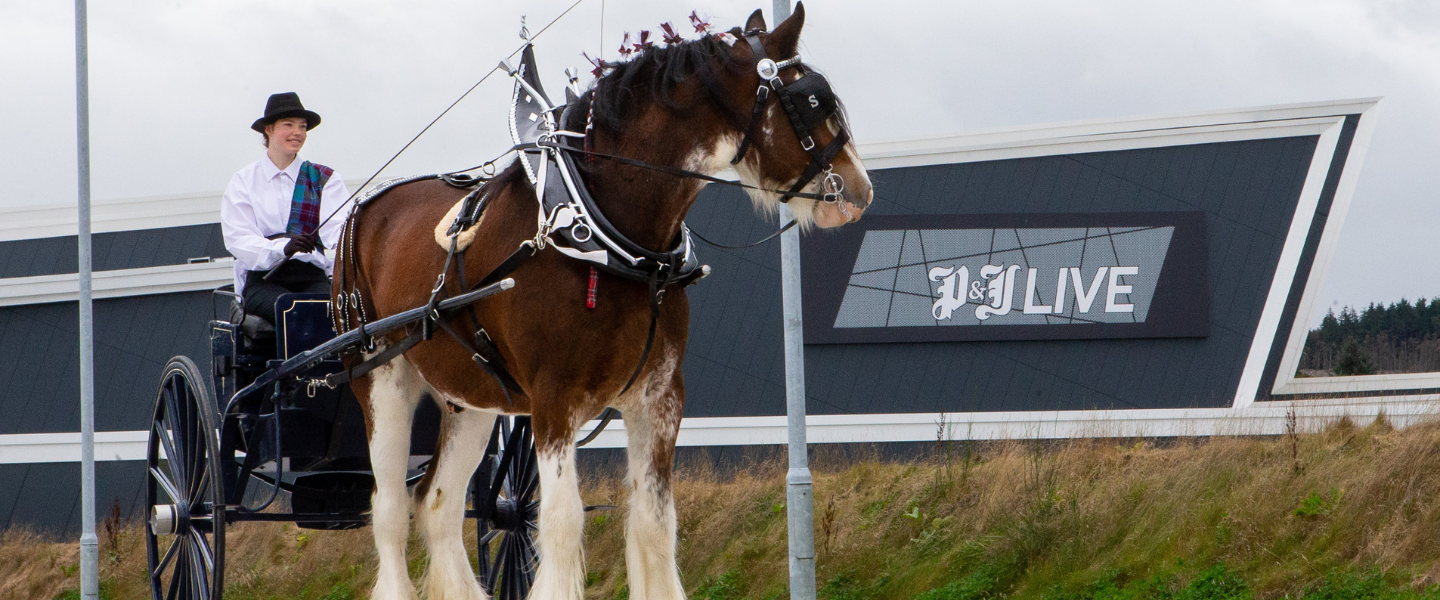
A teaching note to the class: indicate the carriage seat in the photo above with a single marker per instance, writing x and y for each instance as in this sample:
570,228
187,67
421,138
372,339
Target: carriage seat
254,327
306,324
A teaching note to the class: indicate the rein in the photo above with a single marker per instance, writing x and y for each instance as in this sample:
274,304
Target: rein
678,172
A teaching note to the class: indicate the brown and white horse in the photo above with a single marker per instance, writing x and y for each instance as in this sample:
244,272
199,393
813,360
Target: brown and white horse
683,105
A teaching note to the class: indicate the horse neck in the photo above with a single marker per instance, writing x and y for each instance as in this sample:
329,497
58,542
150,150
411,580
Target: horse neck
648,206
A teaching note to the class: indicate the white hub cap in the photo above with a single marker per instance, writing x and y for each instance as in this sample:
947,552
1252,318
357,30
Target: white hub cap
162,520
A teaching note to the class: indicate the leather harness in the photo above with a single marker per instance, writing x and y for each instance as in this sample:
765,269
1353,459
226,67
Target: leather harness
571,221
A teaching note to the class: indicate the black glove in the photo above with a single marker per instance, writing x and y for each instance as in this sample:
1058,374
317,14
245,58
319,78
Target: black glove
302,244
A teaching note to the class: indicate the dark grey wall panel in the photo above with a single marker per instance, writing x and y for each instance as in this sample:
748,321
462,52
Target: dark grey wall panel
46,496
134,337
115,250
1248,191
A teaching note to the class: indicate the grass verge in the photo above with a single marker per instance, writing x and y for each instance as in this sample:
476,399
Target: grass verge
1349,512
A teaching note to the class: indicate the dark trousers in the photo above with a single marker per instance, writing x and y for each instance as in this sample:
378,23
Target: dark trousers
294,277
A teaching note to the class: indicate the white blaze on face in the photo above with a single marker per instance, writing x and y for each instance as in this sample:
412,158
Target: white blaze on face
807,212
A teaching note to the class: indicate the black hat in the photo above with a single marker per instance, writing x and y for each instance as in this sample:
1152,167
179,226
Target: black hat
285,105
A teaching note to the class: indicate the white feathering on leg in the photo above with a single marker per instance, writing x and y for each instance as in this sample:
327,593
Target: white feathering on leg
561,575
650,528
441,513
394,391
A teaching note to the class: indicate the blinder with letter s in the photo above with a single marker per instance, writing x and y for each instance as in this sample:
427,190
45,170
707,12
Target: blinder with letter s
812,98
809,103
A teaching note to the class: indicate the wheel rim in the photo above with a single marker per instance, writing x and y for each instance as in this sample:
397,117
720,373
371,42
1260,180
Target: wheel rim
508,556
184,534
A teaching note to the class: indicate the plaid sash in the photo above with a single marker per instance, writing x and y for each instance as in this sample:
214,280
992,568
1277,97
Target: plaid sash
305,204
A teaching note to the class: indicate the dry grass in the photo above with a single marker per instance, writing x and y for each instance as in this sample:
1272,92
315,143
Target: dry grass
1019,519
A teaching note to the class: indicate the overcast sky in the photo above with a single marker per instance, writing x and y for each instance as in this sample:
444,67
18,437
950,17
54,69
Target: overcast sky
175,85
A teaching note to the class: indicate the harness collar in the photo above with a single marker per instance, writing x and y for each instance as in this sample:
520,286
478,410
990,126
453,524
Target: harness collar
568,217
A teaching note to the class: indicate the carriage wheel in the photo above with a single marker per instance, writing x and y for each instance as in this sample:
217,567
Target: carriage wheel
185,537
505,492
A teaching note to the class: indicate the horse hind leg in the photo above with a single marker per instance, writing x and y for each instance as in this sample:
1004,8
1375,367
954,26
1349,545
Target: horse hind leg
440,504
652,427
392,392
561,575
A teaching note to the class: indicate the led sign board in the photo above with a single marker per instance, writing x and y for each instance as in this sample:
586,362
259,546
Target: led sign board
1008,277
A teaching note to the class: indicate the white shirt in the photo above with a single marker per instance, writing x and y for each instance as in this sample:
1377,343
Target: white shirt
256,204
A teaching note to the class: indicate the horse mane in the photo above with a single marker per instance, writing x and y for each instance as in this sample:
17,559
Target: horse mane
653,74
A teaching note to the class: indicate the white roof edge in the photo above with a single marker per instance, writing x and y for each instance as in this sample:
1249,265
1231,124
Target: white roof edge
1269,418
179,210
120,214
1113,125
119,283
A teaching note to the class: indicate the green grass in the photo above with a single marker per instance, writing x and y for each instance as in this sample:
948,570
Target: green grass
1349,512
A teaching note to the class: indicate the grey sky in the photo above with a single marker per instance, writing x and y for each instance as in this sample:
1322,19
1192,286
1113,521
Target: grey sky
174,85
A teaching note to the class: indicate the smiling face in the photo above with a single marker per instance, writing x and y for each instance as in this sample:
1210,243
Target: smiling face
287,135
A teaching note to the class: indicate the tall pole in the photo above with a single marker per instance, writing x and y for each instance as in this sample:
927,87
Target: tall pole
89,543
799,504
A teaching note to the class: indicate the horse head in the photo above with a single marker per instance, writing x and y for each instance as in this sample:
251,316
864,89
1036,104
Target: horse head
740,99
782,153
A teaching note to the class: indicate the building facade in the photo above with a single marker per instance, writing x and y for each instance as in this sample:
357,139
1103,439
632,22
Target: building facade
1144,276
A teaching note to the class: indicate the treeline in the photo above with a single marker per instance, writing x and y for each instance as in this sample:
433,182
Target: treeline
1396,338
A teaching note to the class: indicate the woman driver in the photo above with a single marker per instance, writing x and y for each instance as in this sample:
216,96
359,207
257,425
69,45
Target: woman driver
272,209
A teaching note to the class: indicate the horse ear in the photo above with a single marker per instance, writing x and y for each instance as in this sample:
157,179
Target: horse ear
785,40
756,21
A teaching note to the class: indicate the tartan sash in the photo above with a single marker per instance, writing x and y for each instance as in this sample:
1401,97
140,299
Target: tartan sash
305,204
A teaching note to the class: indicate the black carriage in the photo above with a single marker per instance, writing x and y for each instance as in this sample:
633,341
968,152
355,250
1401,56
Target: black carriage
267,417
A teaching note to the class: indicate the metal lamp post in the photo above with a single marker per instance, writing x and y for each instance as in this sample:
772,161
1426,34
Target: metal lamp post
799,504
89,542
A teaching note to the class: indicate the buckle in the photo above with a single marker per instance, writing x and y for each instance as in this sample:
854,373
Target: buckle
808,143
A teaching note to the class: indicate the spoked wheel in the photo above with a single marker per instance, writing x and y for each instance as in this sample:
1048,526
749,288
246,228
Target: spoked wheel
185,537
505,492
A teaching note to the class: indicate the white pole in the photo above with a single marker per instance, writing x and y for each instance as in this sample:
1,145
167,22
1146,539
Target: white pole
799,504
89,543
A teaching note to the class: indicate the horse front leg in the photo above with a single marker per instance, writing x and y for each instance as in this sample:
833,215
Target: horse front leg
440,503
561,575
652,427
392,392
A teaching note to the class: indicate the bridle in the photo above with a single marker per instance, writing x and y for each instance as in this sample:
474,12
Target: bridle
809,103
